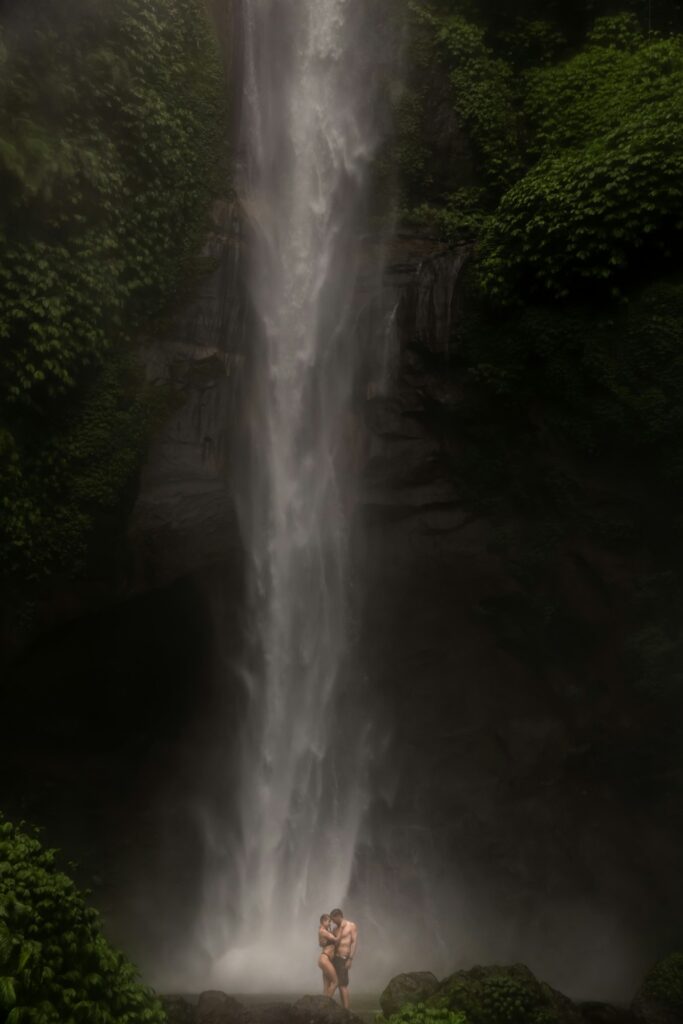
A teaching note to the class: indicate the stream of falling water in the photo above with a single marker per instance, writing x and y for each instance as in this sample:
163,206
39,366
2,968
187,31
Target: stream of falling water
309,134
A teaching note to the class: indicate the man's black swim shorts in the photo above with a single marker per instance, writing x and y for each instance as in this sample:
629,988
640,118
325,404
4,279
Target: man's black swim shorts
342,970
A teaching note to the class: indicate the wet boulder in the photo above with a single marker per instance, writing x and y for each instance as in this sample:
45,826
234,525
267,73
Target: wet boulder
321,1010
177,1010
407,988
274,1013
604,1013
217,1008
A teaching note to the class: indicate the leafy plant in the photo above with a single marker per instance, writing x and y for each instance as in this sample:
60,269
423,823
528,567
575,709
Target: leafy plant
496,995
55,964
482,92
420,1013
460,217
606,192
664,983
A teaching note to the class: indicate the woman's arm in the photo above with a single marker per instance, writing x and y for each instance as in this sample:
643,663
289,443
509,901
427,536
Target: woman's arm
328,935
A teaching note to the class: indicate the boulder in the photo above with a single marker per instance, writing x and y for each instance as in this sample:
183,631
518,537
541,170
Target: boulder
504,995
217,1008
321,1010
407,988
274,1013
646,1011
603,1013
177,1010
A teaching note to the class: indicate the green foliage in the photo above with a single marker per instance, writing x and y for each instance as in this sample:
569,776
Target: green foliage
571,20
109,140
57,488
55,965
460,218
608,381
616,78
455,115
420,1013
664,983
604,136
530,43
608,190
483,95
496,996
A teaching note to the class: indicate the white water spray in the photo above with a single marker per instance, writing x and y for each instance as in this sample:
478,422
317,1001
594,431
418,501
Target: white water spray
309,135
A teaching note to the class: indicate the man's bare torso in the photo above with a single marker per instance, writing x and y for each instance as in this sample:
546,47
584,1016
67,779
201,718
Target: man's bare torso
347,934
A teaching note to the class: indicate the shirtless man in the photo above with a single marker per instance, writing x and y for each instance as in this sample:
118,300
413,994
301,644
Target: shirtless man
347,940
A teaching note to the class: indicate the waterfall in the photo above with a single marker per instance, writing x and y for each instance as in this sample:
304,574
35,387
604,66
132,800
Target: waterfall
309,134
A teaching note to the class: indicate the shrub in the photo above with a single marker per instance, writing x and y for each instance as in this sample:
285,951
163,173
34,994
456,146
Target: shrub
483,95
618,75
460,218
498,995
607,381
578,221
420,1013
455,87
606,192
664,983
55,965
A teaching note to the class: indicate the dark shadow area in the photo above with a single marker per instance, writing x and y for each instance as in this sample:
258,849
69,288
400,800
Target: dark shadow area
105,751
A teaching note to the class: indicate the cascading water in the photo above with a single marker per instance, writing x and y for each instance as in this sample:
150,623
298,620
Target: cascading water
309,130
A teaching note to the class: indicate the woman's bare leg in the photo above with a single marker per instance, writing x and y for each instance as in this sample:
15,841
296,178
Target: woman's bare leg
329,976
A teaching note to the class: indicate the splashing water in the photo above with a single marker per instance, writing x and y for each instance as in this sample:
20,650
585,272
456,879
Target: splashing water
309,135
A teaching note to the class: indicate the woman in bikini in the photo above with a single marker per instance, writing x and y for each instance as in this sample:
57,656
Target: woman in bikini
328,946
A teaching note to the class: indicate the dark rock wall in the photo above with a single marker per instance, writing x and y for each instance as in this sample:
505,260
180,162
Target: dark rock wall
496,822
184,516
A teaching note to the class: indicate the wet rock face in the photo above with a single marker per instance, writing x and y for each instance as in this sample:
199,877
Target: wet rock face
184,517
486,783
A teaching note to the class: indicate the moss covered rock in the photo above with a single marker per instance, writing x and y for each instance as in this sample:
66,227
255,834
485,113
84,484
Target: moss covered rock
504,995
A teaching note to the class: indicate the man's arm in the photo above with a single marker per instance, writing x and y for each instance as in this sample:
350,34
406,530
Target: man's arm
354,941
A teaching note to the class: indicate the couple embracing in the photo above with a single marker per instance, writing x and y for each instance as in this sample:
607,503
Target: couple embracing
337,938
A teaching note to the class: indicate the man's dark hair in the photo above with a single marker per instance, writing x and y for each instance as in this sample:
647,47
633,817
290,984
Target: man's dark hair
333,913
